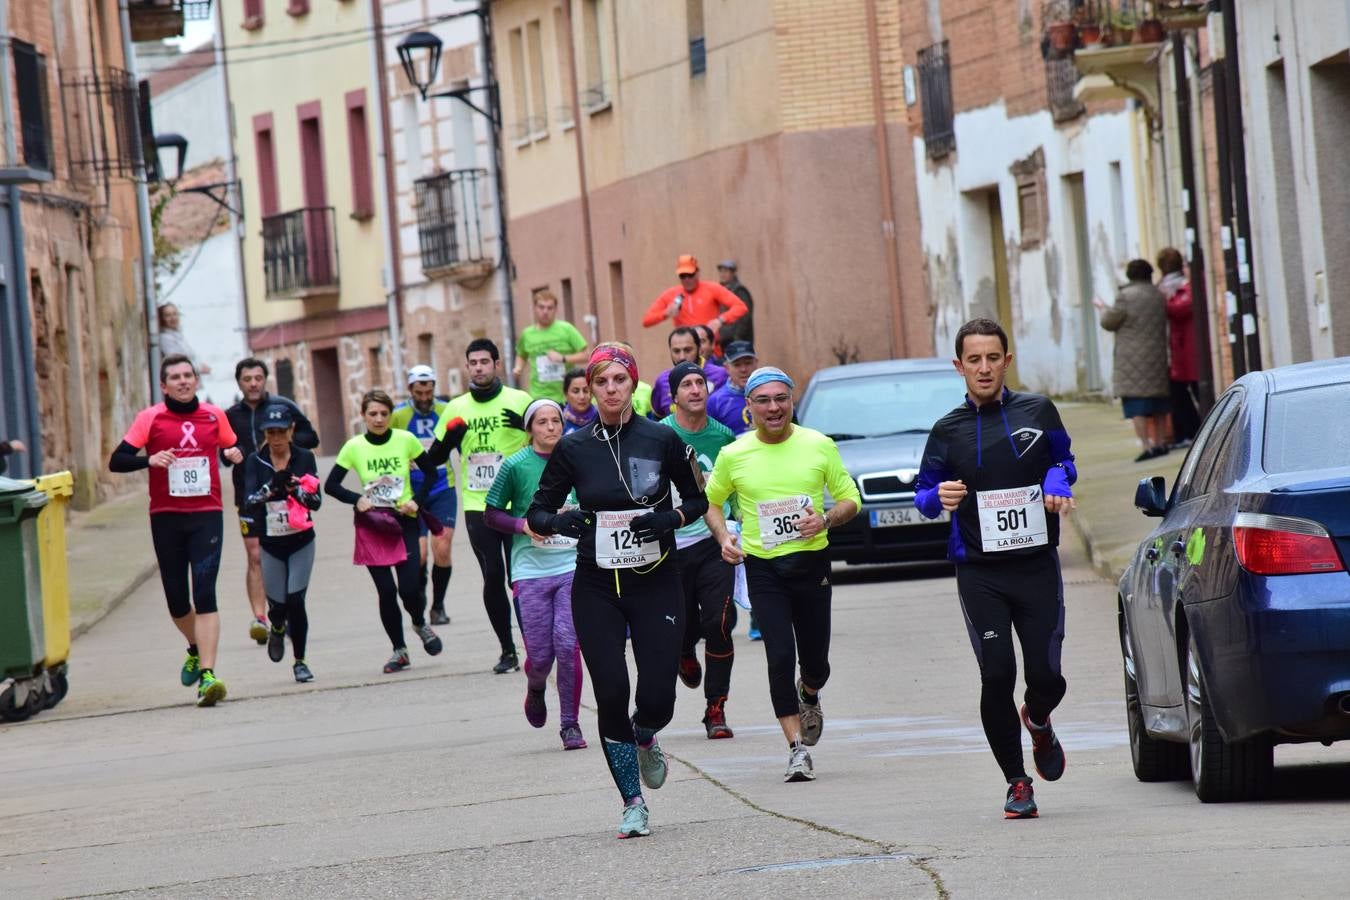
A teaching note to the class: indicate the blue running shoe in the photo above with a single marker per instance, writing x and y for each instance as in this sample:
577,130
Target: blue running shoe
635,820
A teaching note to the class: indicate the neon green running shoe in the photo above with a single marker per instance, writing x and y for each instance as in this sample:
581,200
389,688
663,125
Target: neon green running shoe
211,690
192,670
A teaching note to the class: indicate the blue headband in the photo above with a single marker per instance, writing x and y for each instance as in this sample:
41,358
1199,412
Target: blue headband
764,375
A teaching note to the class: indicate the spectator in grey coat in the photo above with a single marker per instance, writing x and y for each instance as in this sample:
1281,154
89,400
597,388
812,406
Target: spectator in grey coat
743,329
1139,320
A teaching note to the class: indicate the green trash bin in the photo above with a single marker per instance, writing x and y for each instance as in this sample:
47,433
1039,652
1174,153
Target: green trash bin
23,644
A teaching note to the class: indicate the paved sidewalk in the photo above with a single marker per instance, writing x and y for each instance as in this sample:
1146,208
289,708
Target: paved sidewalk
1104,448
108,555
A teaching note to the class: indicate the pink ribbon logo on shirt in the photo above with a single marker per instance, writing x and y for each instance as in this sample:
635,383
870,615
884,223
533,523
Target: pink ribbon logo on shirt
188,440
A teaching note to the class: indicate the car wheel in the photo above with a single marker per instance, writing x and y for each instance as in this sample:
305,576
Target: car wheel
1221,771
1153,759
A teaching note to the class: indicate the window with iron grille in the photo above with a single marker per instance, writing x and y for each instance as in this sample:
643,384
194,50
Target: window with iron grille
698,48
108,100
1060,78
935,84
35,128
449,231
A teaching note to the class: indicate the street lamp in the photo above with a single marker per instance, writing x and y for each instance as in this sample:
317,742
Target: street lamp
418,44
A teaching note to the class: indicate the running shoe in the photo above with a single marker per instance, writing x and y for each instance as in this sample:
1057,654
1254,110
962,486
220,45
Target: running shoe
799,766
1021,802
1045,748
257,629
211,690
430,643
192,670
691,673
652,764
715,721
634,821
536,710
509,662
438,616
302,672
398,662
571,737
276,643
813,719
754,634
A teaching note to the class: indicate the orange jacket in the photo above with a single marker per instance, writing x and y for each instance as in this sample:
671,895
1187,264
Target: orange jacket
706,303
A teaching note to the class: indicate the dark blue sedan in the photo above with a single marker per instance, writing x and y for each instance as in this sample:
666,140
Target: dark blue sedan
1235,611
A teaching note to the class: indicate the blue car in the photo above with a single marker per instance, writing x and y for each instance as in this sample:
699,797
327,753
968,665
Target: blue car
1235,611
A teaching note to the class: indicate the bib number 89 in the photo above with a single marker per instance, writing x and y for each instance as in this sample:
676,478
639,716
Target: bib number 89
189,476
1012,519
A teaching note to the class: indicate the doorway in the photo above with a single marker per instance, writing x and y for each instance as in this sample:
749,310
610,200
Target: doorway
1090,372
985,262
328,400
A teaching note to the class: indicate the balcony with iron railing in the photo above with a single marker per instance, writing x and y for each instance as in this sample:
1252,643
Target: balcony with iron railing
450,225
300,253
153,20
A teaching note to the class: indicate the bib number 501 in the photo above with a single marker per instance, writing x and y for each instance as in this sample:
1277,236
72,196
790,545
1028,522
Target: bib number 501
1012,519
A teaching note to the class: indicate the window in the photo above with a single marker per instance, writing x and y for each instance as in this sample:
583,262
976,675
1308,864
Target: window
285,378
1308,428
619,324
358,149
30,77
426,349
567,311
297,7
253,15
935,82
520,129
595,92
375,377
698,51
1031,205
462,133
412,135
267,164
1197,470
1118,212
562,49
527,87
534,40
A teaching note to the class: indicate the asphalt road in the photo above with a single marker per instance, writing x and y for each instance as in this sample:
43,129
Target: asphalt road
430,783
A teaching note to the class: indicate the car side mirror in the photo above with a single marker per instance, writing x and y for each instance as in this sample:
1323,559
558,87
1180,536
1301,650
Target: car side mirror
1150,497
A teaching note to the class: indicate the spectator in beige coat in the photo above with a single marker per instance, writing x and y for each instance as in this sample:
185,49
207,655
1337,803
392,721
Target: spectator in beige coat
1139,320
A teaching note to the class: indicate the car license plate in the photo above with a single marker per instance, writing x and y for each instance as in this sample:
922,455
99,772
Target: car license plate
905,515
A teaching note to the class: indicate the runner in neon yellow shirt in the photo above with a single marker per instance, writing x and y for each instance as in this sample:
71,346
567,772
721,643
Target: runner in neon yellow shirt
547,349
779,473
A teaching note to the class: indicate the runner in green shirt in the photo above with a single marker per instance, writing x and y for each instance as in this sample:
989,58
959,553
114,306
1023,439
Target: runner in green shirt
546,349
708,579
486,425
779,473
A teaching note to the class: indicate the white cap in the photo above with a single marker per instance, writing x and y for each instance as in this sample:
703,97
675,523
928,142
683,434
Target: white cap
421,373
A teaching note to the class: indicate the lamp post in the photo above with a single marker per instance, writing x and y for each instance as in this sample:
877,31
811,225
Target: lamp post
420,55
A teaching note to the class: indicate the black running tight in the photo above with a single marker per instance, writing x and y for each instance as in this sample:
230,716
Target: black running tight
408,588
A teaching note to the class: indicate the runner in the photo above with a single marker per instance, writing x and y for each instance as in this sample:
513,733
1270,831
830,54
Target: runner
181,437
382,458
684,345
282,481
542,568
694,302
999,463
709,350
779,474
727,404
626,579
251,376
579,411
420,415
546,348
708,581
491,424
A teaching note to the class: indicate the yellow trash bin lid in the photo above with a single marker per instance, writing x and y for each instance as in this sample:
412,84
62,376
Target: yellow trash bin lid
58,484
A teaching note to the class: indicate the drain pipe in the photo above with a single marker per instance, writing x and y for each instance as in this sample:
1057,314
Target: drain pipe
143,220
19,278
393,243
897,336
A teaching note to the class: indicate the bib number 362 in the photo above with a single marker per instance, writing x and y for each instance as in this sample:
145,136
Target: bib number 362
779,520
1012,518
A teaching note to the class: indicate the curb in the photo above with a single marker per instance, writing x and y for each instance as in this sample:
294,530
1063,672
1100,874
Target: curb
1100,564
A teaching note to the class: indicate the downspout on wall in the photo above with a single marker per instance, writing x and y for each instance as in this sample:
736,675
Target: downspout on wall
587,237
898,344
393,244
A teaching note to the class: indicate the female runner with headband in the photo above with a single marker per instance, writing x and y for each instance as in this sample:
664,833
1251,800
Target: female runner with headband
627,580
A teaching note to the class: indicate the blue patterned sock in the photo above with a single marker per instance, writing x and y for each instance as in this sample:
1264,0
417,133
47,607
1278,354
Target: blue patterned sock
623,765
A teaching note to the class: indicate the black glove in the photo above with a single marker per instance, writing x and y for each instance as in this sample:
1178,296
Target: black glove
651,527
572,522
513,419
260,496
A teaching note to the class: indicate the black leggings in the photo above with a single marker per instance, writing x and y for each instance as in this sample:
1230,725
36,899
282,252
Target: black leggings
1024,593
649,608
791,598
493,550
187,546
709,613
409,587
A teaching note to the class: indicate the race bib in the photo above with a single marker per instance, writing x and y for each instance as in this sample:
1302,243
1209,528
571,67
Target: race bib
480,470
387,490
278,519
618,548
779,520
190,476
548,370
555,541
1012,518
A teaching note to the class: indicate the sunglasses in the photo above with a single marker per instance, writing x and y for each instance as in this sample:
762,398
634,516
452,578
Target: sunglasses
688,275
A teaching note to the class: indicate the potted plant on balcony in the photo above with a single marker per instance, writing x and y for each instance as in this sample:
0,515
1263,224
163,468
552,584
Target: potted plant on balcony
1061,32
1149,30
1119,27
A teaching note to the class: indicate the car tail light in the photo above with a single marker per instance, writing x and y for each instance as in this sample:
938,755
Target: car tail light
1283,545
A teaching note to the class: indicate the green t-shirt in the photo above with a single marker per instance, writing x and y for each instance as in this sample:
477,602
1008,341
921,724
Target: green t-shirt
488,442
770,482
642,399
512,491
546,376
707,444
384,469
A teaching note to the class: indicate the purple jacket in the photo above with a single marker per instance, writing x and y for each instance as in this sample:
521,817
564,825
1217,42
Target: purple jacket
727,405
661,398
